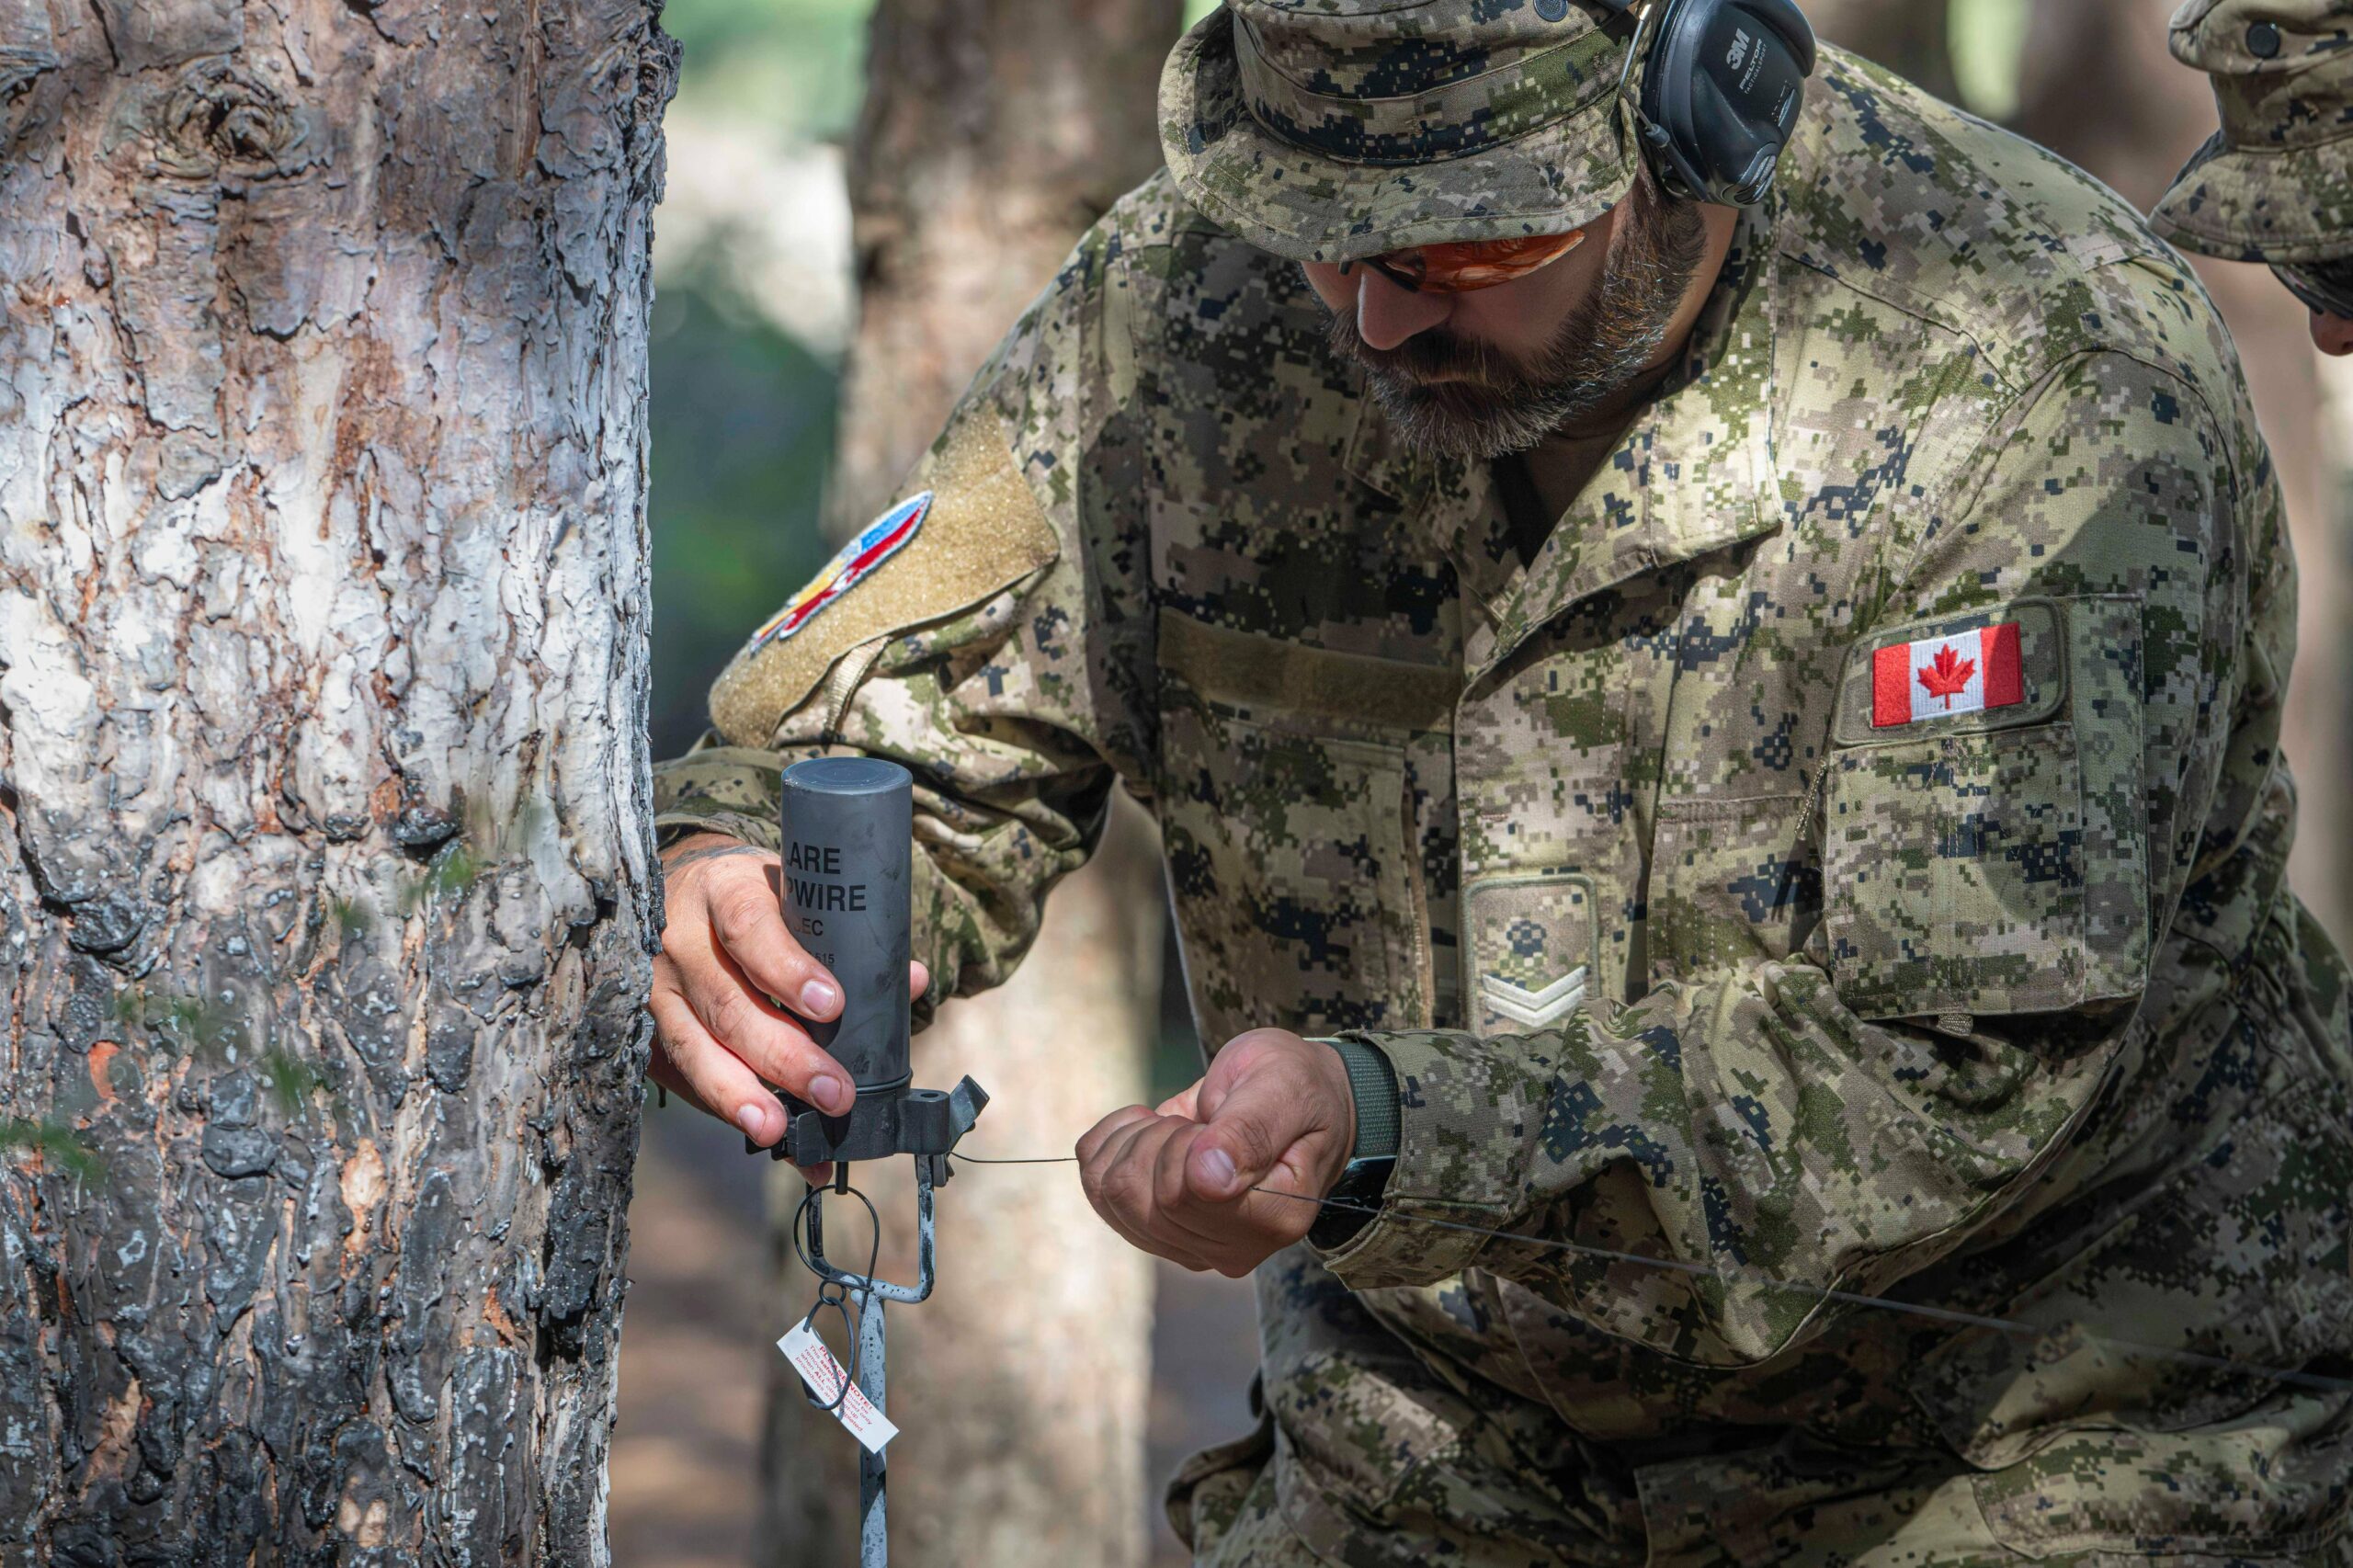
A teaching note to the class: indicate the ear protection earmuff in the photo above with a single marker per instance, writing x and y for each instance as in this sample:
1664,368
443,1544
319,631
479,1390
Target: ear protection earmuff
1721,91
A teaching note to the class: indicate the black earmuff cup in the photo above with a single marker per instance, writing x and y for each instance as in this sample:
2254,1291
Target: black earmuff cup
1721,91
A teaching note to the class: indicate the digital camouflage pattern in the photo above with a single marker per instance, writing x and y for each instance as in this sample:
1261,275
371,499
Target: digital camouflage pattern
2275,182
2006,1013
1330,130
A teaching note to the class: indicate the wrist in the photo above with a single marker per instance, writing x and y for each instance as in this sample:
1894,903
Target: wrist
1356,1190
1373,1099
696,838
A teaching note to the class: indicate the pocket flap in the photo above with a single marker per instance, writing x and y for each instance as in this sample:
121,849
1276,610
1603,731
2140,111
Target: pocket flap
1954,675
1268,677
1993,862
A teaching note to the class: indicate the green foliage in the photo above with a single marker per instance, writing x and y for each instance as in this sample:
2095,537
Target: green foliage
1988,42
743,430
798,65
55,1141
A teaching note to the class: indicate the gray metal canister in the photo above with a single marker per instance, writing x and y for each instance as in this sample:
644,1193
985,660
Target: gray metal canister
848,853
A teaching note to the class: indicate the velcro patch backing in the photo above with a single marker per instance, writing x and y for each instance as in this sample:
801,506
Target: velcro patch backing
985,531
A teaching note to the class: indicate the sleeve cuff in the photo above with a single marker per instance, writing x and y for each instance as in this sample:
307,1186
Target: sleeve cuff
1467,1117
672,825
719,789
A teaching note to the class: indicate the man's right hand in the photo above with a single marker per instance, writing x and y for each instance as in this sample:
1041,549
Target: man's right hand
719,1041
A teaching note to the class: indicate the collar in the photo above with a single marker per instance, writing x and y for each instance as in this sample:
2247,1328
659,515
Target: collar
1692,474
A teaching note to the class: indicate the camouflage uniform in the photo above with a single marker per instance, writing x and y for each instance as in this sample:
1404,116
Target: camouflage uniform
2275,182
1675,950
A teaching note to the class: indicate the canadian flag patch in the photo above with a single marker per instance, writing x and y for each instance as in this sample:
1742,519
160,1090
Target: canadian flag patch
1939,676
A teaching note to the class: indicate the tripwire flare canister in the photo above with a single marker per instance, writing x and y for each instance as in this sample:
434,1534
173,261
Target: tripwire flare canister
848,899
848,872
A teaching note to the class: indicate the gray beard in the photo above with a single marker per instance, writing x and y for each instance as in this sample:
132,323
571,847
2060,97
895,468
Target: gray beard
1498,405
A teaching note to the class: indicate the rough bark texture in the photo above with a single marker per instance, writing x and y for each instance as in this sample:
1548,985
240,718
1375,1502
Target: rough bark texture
2099,88
326,889
993,133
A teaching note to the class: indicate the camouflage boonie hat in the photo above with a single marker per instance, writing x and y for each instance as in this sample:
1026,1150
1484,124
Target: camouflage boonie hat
2275,183
1328,129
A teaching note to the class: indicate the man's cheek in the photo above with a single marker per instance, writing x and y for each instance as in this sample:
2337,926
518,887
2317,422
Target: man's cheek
1329,286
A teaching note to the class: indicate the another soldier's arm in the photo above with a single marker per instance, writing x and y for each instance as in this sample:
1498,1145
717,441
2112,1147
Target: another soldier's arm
1847,1117
986,648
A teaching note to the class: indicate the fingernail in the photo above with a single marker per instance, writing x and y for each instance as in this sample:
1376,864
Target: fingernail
1215,1167
817,998
754,1120
832,1096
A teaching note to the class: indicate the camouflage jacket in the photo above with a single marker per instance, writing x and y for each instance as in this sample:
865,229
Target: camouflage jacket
1680,941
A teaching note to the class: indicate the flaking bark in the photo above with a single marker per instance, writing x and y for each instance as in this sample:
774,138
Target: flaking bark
326,889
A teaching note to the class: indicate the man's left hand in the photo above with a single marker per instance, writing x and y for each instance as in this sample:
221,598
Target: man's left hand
1274,1113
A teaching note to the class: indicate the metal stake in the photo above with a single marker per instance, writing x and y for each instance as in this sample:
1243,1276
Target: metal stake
873,1469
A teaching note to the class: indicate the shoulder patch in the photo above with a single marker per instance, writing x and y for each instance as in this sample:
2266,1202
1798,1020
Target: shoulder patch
972,528
882,538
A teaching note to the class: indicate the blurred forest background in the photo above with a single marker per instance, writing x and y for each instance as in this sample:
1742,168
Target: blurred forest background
757,308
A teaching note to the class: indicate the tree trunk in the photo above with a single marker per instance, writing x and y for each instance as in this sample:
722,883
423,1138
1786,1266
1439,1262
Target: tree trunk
328,884
994,133
993,136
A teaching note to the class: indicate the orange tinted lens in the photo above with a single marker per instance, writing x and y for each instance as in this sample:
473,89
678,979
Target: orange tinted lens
1479,264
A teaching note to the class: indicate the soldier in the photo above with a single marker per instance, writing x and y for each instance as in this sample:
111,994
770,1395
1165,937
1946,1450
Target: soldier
2275,184
1708,755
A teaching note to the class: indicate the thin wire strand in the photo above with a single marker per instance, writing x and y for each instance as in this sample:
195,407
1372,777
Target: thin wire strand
2294,1378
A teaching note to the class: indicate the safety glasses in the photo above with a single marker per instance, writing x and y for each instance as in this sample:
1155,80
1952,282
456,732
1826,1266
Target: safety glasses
2327,288
1469,265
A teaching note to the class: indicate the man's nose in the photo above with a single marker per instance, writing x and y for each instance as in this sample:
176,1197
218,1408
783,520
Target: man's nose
1387,316
2331,335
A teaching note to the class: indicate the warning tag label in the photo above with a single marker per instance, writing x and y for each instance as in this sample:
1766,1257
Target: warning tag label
825,1377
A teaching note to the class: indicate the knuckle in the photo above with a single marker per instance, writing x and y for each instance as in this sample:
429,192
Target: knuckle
1121,1190
731,1016
740,916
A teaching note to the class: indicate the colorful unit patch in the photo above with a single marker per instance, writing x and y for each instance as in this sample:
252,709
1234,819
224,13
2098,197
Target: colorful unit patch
1939,676
883,537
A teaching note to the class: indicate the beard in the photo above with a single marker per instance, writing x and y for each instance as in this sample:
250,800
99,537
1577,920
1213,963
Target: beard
1457,397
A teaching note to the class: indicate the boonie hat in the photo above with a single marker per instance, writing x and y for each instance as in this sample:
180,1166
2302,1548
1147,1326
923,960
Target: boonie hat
2275,183
1330,130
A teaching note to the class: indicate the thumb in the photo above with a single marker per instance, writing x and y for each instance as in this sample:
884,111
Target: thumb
1242,1142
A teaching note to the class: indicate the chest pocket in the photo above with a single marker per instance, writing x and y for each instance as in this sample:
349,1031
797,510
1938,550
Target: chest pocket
1288,835
1985,831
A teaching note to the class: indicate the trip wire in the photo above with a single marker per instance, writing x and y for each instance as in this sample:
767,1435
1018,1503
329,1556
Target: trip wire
2294,1378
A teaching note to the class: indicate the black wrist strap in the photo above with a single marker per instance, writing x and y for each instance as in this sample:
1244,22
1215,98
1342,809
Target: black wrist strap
1372,1084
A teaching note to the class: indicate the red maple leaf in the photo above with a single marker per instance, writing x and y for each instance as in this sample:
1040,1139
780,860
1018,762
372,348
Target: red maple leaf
1948,676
